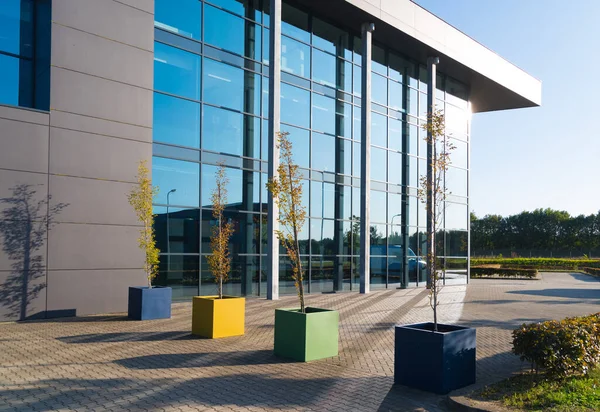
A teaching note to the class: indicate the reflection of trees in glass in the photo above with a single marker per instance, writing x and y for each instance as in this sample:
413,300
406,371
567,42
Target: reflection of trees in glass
352,236
24,228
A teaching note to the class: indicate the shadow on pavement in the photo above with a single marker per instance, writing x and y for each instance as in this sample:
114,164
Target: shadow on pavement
201,360
128,337
561,293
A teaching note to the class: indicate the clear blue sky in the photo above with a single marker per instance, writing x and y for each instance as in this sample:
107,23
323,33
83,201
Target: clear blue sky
538,157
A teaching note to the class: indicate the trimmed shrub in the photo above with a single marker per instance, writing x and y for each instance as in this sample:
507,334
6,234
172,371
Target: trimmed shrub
479,272
560,348
592,271
538,263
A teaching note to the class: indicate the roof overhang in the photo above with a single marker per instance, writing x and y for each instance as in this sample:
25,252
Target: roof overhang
495,83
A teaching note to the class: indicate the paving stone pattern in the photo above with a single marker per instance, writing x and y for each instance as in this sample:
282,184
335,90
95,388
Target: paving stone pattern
110,363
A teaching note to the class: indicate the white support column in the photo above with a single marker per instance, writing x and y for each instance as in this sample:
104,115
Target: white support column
365,162
432,63
274,127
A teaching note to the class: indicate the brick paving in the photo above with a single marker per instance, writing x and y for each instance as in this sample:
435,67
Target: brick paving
109,363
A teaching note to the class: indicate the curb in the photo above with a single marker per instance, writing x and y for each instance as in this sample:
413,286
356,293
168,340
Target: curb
462,403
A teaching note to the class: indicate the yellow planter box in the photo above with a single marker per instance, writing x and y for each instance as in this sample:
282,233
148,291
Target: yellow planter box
218,318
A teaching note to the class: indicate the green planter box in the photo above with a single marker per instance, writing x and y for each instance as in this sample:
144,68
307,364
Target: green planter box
306,336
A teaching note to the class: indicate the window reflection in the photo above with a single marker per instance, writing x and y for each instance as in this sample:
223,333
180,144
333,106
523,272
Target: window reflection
176,71
379,89
300,140
378,206
395,168
223,84
324,68
295,57
222,130
378,129
323,152
9,69
185,19
322,200
294,23
231,39
176,121
456,216
184,177
323,113
456,181
295,107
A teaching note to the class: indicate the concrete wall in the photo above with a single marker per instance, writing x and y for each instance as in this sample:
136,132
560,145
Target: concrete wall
83,154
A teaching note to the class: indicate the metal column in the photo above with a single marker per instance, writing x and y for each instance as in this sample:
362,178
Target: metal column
432,63
365,160
274,127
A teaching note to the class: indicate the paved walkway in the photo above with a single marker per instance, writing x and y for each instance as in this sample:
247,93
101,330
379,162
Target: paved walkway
110,363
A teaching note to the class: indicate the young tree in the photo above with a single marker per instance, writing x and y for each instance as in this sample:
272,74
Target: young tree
140,198
433,193
219,261
287,193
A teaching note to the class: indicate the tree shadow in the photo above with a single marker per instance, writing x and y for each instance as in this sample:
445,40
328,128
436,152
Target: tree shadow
244,390
584,277
128,337
24,226
202,360
561,293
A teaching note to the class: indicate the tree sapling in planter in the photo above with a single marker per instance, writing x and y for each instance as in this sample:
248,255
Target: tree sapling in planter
304,333
432,356
147,302
219,316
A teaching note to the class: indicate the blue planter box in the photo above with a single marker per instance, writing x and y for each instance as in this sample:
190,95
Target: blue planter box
147,304
437,362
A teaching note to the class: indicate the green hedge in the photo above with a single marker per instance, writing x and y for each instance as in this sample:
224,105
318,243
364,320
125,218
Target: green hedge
478,272
592,271
538,263
560,348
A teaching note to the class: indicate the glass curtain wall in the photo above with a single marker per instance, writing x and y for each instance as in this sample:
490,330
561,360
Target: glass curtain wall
25,53
211,106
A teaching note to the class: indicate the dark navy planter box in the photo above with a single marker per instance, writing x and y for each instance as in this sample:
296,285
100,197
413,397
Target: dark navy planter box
437,362
147,304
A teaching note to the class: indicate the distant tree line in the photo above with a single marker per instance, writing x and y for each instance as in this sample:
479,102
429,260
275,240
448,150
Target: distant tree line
541,233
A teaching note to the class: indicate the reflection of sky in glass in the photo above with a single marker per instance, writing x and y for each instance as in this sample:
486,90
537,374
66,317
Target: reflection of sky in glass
223,30
223,85
176,71
9,70
176,121
295,107
185,19
324,68
378,130
10,22
184,177
323,113
222,130
295,57
323,152
234,187
456,216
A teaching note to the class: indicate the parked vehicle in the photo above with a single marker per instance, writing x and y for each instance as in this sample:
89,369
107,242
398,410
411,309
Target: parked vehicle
395,261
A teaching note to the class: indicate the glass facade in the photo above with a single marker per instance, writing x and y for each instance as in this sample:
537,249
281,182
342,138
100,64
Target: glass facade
25,53
211,106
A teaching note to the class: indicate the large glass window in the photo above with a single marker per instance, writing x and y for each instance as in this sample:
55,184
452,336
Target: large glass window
231,38
223,85
24,53
324,68
183,177
176,121
295,57
176,71
323,146
295,106
222,130
185,19
323,113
